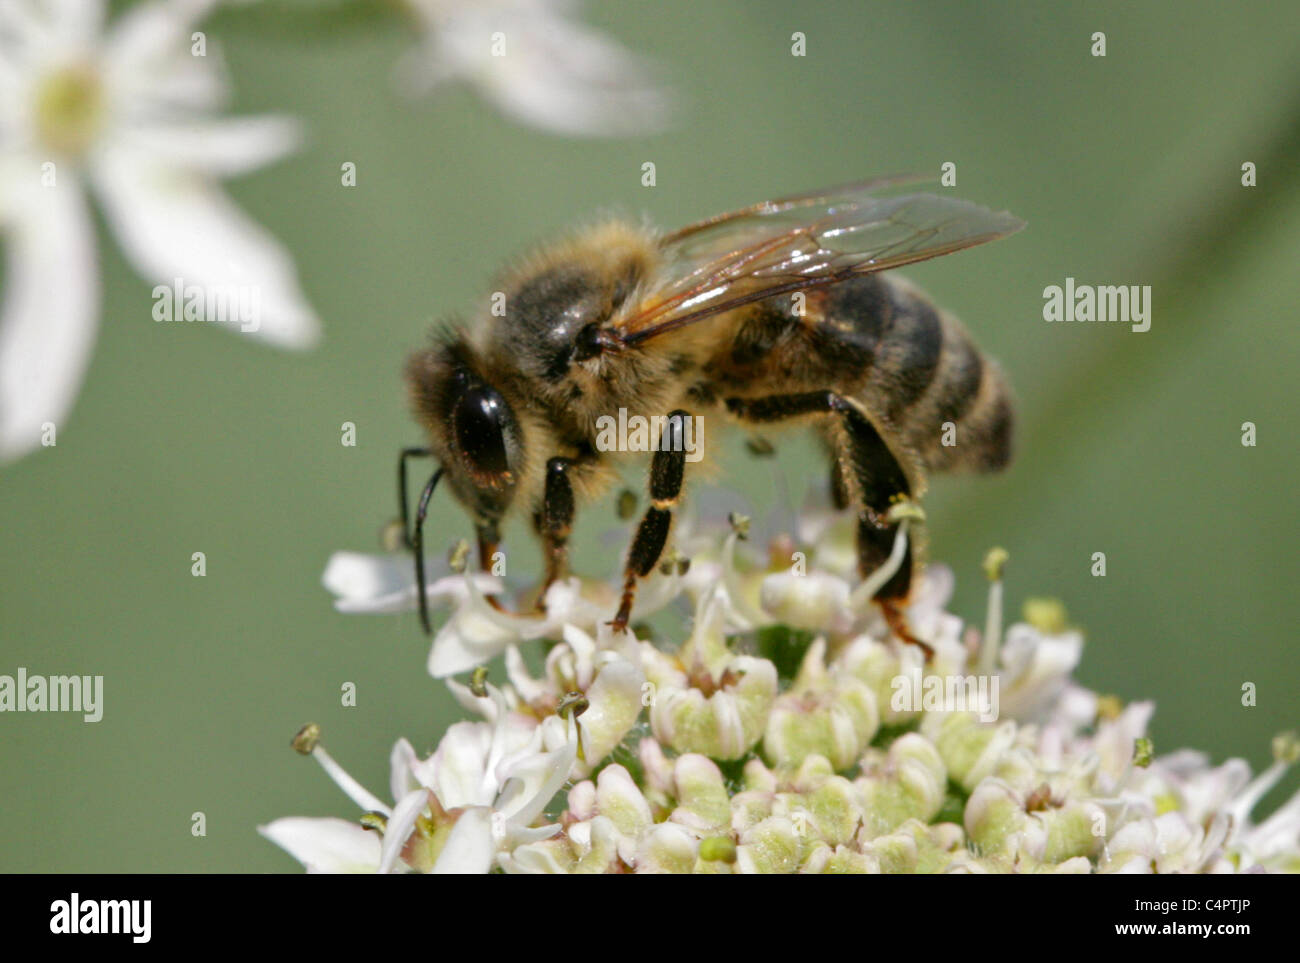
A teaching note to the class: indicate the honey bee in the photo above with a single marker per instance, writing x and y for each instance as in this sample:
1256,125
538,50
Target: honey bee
776,312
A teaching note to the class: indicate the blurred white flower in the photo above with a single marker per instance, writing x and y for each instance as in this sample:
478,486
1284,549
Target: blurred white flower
126,112
536,64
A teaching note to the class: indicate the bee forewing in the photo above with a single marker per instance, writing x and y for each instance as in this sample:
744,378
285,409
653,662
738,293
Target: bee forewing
802,242
825,198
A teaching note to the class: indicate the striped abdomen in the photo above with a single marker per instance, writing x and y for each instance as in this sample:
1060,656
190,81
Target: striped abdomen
925,373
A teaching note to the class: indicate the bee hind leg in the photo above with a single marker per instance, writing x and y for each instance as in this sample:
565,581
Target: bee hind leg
865,471
667,469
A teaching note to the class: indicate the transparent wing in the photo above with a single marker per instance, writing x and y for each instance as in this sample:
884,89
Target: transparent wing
823,198
801,242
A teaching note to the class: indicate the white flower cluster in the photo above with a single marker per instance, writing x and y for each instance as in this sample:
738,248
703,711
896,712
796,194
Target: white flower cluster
789,733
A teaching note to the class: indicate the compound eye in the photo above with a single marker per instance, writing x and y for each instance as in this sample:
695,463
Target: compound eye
480,419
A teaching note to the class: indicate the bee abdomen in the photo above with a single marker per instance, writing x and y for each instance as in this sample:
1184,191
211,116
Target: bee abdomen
934,385
964,420
909,350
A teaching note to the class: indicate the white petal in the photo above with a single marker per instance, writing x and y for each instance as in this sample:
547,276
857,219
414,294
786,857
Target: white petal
534,859
814,600
468,701
469,848
148,64
222,148
355,576
476,633
325,845
399,828
665,848
70,25
532,834
175,224
48,312
1279,833
1035,670
402,766
529,689
614,707
20,21
149,27
374,584
61,28
542,775
556,74
460,765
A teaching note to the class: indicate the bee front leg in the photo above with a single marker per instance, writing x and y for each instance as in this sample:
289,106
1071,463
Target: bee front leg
864,468
667,469
489,543
554,523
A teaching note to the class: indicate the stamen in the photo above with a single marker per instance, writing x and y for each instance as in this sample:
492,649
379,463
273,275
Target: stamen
458,557
1286,749
731,582
392,537
877,580
307,742
1046,615
478,682
572,705
305,739
991,644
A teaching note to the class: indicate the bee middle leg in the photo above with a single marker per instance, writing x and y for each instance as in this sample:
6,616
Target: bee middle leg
554,522
867,468
667,469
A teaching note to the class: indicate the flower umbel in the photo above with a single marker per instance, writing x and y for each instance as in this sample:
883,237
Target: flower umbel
791,731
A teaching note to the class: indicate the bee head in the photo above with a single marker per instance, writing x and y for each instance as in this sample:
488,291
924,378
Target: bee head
472,428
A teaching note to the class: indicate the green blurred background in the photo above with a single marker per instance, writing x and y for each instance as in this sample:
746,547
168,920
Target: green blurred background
187,439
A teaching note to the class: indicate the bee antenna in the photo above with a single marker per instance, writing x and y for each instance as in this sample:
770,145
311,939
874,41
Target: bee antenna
417,546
